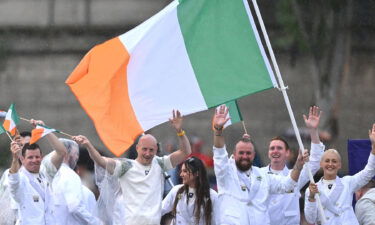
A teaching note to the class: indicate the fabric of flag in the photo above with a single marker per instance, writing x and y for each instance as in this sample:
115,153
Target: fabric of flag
358,153
234,113
191,56
2,114
11,120
2,129
39,132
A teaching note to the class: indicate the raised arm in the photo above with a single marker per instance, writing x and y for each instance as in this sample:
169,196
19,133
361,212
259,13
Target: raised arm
316,149
311,209
312,123
60,151
104,162
371,134
218,122
361,178
185,149
299,165
16,152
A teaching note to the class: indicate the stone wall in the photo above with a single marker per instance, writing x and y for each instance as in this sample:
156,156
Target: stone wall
43,40
36,85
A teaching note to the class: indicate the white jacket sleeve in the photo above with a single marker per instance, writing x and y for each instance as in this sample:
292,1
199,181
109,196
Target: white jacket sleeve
15,184
215,208
74,197
81,213
168,201
316,154
280,184
310,210
361,178
221,165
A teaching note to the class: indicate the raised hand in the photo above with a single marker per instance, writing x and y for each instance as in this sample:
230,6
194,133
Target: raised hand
15,148
371,134
220,117
36,122
312,122
246,136
81,140
313,189
301,159
176,120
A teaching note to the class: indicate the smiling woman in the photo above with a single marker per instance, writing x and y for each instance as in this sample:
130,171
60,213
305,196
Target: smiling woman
330,163
192,202
336,193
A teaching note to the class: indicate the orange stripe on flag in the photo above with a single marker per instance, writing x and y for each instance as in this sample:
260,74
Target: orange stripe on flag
100,84
6,126
36,134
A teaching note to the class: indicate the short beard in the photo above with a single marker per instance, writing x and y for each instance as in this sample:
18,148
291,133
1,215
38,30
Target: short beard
243,168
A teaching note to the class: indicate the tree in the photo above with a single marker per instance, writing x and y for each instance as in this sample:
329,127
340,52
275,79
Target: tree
322,29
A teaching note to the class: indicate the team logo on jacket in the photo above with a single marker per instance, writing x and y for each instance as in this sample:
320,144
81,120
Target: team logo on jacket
36,198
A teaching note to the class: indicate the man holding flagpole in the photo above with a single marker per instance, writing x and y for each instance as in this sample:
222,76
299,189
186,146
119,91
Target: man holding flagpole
141,180
284,208
244,189
30,183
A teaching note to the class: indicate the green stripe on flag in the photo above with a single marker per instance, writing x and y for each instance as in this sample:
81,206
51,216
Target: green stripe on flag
2,129
234,111
14,115
222,48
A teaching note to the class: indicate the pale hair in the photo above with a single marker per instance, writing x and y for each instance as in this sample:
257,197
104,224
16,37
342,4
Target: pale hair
331,151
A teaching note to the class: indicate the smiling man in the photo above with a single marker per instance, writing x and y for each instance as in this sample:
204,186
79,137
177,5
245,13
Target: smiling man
284,208
141,180
30,183
244,189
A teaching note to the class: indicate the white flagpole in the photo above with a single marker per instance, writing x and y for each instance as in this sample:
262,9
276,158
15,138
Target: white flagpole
287,102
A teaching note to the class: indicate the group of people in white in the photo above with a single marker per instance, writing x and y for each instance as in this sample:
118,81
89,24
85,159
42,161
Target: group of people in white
47,191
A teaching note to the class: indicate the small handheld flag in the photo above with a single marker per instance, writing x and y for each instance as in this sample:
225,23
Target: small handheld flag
39,132
11,120
2,130
2,114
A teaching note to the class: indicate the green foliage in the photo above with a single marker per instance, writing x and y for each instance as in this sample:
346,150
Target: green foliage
309,25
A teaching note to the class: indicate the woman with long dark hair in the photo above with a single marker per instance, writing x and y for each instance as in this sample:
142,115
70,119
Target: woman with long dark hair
192,202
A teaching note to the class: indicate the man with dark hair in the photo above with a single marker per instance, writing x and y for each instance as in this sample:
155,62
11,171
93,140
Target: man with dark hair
30,183
25,137
284,208
244,189
365,206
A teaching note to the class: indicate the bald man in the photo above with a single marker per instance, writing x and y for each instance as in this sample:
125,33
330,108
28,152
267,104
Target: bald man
141,180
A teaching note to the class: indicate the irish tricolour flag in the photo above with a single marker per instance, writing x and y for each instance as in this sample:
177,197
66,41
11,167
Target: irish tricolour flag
11,120
2,129
191,56
39,132
2,114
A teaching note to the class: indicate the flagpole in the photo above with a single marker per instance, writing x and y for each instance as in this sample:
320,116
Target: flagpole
66,134
287,102
9,136
71,136
244,127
